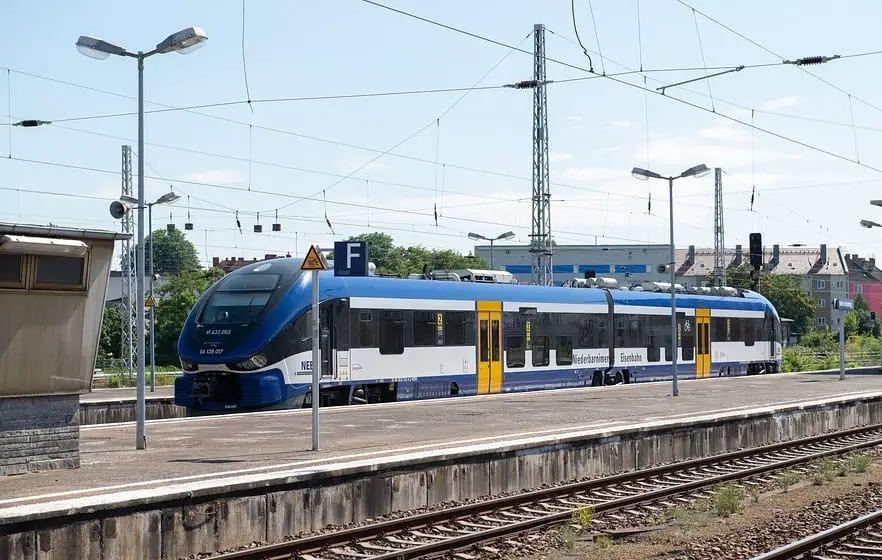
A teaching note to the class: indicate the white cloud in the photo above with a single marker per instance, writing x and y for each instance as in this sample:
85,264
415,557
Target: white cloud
574,118
558,156
781,103
216,177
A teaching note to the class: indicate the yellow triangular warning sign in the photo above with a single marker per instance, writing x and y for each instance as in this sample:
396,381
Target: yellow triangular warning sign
314,260
150,302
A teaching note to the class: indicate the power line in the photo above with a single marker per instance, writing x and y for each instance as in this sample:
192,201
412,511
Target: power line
773,53
615,79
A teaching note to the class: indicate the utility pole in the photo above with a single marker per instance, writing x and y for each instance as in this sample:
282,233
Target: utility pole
540,232
129,346
719,232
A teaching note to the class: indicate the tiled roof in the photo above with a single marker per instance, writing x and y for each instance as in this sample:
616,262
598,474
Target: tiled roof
799,261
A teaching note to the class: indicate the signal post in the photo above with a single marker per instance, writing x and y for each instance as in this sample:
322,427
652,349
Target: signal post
315,262
843,305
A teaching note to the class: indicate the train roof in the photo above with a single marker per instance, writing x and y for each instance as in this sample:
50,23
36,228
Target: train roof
331,287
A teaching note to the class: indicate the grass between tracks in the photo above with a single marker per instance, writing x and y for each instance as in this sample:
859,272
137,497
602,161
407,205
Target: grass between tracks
731,508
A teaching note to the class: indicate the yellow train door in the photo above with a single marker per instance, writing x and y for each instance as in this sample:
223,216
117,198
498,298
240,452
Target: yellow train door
489,347
702,350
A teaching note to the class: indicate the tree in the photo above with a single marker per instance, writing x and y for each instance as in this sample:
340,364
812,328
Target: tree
176,298
861,318
172,251
110,342
785,293
395,260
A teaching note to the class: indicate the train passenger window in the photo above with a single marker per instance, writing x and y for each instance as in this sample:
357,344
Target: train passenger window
749,328
391,332
588,334
459,328
341,324
620,331
564,351
735,330
602,334
635,338
720,332
365,329
424,328
494,340
539,345
483,342
514,352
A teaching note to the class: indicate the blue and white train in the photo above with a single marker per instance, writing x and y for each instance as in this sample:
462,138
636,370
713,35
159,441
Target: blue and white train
247,343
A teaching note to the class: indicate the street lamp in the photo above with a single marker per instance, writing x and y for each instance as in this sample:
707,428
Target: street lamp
182,42
869,224
504,236
644,175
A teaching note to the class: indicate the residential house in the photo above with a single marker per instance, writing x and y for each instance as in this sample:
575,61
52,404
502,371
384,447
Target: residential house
234,263
865,280
821,271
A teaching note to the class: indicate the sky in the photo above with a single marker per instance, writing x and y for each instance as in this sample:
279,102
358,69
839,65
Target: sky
389,163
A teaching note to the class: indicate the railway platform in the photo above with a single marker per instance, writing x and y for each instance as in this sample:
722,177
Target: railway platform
255,476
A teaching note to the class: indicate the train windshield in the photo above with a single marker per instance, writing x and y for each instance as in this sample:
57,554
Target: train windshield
239,299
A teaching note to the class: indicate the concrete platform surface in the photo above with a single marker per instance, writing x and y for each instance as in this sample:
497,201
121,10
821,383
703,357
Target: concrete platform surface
203,449
126,394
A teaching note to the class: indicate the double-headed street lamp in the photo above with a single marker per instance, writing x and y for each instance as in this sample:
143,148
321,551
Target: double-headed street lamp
644,175
182,42
167,198
503,236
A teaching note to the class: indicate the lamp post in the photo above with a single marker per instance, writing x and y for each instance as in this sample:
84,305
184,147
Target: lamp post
167,198
479,237
182,42
644,175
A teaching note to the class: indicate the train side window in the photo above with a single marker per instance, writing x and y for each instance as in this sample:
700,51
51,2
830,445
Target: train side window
720,331
587,333
425,328
659,336
514,352
749,328
620,331
365,329
602,334
494,340
735,334
564,351
391,332
636,329
341,324
456,328
539,345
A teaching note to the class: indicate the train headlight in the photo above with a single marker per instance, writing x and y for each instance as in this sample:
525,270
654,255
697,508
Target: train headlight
187,365
256,361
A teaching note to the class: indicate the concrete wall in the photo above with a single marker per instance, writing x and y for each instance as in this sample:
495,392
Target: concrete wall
226,513
39,433
123,410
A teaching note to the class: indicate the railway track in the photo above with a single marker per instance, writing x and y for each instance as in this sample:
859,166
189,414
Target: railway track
466,529
858,538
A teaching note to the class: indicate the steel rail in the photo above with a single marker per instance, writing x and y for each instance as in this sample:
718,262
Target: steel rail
315,543
824,538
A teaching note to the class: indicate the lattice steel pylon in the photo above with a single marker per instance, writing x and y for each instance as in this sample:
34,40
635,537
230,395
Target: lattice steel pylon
540,234
128,303
719,231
